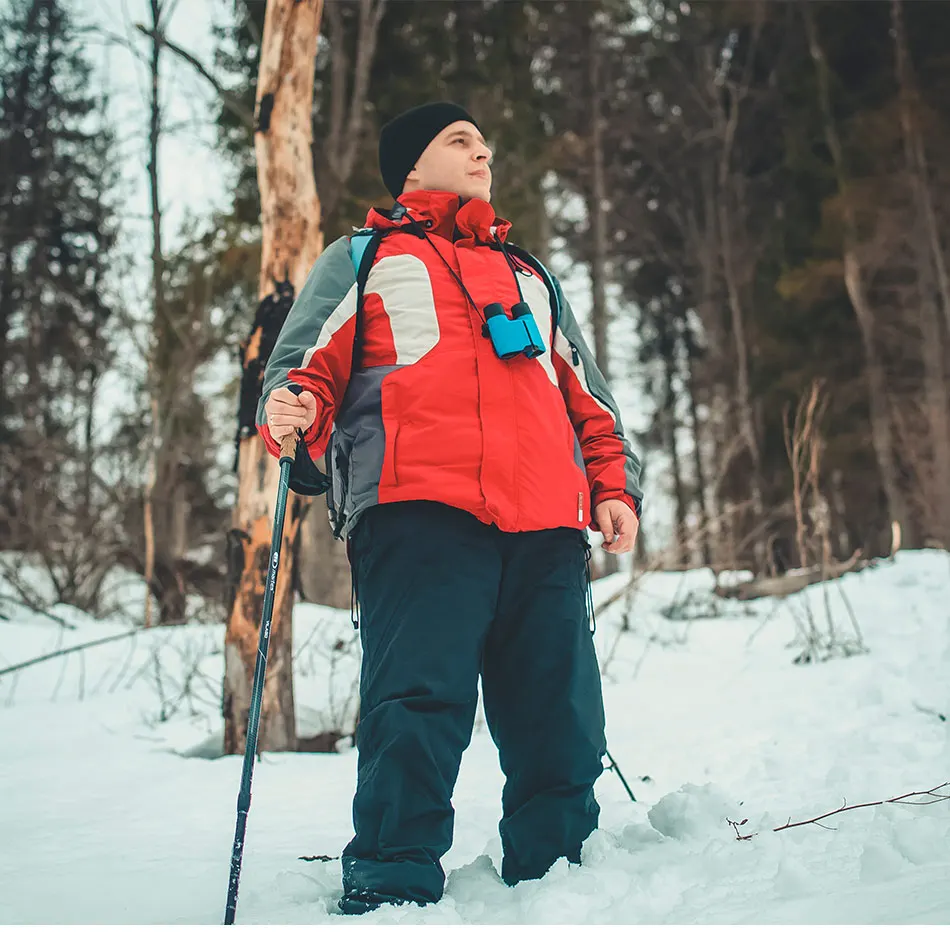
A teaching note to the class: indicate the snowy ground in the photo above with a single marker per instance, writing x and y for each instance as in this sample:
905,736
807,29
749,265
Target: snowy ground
114,807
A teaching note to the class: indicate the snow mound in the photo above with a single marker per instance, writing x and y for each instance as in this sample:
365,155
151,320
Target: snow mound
693,812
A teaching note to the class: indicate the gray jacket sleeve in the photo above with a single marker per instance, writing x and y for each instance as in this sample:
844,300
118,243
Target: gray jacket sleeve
315,345
613,469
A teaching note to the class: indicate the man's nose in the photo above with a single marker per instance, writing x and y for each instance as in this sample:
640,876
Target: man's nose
483,154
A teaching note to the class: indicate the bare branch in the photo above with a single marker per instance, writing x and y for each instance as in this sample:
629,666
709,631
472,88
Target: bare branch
370,18
929,798
67,650
39,611
227,98
739,835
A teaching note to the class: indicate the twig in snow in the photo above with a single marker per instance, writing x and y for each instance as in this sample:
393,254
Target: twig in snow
938,797
930,797
739,835
66,650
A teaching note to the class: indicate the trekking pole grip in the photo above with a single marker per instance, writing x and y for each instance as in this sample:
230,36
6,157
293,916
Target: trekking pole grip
288,446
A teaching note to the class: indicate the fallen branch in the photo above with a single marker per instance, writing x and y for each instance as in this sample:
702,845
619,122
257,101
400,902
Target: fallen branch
67,650
790,583
928,798
736,826
937,798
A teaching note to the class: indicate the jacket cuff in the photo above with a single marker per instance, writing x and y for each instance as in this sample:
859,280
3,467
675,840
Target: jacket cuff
632,503
273,447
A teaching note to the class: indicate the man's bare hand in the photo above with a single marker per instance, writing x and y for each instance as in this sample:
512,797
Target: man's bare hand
619,525
287,412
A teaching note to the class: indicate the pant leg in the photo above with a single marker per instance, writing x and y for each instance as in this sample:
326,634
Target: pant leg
428,578
543,702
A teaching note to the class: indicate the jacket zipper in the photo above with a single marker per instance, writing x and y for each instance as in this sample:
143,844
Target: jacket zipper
576,359
396,456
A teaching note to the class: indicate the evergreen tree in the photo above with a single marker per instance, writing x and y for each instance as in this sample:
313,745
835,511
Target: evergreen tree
57,232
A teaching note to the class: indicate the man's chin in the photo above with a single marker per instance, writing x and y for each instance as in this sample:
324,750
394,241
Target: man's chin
480,191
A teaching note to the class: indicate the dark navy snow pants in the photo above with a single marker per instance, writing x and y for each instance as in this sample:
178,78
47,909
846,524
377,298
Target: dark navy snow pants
445,598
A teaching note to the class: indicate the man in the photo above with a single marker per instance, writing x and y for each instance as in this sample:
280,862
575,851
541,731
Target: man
463,473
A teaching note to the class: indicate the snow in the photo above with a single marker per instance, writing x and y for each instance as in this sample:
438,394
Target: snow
117,806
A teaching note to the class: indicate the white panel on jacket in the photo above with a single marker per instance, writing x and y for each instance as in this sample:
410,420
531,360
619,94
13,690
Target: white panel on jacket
403,284
341,314
538,298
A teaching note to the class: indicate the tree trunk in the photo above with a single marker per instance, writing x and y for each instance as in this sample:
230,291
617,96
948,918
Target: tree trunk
712,366
854,282
544,226
914,139
158,311
323,570
291,242
597,212
337,152
932,280
743,394
668,414
705,523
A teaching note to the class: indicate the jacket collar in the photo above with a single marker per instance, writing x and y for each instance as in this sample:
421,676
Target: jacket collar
465,221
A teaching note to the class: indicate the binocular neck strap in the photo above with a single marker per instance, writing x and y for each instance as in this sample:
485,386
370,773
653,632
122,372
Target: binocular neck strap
511,265
419,230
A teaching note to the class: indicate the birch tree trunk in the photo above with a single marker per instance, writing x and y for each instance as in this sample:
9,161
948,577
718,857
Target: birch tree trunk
291,243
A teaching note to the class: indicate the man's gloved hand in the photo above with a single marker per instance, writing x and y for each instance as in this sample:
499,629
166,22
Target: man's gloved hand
619,525
287,412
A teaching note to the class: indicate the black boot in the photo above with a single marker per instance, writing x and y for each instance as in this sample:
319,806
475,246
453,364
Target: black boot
356,904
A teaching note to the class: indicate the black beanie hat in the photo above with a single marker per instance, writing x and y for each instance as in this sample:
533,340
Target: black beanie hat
404,138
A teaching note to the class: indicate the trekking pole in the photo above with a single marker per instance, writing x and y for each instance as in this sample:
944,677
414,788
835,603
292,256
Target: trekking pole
613,766
288,448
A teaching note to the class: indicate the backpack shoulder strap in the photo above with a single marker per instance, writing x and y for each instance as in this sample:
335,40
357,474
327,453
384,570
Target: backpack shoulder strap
546,277
363,246
360,240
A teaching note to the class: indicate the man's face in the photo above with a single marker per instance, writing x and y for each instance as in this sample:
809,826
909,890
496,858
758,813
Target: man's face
457,160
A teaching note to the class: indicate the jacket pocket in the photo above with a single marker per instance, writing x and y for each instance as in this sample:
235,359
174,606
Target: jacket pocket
338,470
580,370
395,454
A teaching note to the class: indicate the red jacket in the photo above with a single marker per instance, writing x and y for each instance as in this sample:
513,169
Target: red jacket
432,412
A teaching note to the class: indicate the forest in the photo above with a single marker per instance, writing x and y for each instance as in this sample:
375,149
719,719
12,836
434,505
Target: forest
749,201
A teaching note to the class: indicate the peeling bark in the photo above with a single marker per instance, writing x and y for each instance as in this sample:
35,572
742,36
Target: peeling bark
291,242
